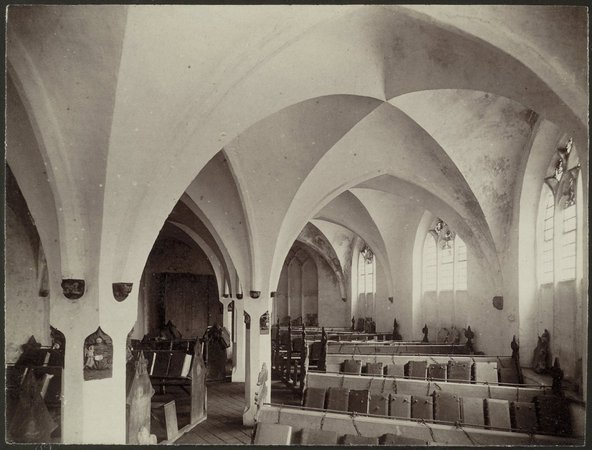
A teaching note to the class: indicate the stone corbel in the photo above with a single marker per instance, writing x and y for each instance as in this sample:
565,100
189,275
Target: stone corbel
121,290
72,288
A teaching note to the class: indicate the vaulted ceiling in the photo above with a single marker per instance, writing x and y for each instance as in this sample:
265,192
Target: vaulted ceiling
261,118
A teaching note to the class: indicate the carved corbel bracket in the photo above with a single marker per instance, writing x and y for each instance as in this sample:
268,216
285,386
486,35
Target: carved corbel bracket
121,290
72,288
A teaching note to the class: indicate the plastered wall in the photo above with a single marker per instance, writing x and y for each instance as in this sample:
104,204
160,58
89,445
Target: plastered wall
28,313
333,311
312,288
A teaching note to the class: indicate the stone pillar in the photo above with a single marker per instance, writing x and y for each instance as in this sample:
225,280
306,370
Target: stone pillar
93,410
227,323
258,350
226,315
238,342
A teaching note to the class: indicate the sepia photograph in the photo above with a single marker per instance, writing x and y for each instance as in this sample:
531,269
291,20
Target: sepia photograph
316,225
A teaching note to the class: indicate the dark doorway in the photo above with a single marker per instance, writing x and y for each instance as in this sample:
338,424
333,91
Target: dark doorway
189,301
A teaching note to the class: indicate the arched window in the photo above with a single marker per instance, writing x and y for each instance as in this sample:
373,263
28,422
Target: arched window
444,260
558,219
430,264
546,237
367,279
567,263
460,264
446,269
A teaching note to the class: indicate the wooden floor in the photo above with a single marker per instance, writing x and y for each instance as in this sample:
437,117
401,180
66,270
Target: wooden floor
224,425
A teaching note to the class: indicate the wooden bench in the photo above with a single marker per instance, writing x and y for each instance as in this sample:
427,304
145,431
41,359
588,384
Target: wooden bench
336,353
293,352
293,421
532,409
396,348
194,384
289,357
506,370
390,385
168,368
169,362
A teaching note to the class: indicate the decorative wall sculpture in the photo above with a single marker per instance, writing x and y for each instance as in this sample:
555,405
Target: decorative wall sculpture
562,158
541,360
264,323
442,233
98,356
470,335
73,289
563,179
121,290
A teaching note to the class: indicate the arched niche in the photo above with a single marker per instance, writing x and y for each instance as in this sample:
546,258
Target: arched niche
98,356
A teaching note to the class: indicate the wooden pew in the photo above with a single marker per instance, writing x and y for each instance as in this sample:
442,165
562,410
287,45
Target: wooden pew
335,362
169,362
337,353
198,401
294,420
535,408
290,357
388,385
396,348
289,353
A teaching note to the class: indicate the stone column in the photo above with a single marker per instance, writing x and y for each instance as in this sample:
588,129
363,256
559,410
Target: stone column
258,350
238,344
227,323
226,315
93,410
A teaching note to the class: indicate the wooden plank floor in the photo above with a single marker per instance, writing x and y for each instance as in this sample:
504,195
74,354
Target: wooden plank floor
224,425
